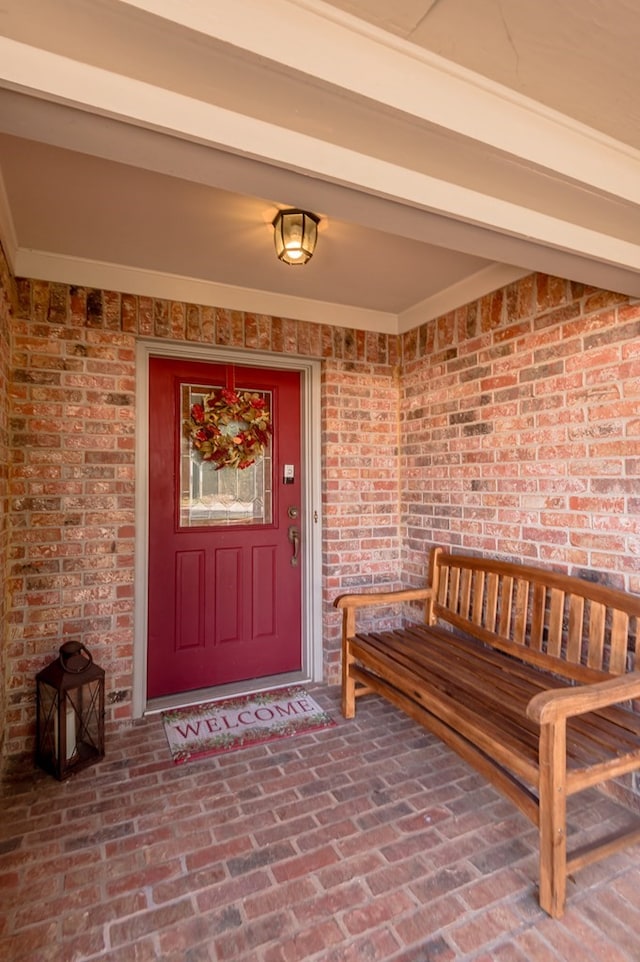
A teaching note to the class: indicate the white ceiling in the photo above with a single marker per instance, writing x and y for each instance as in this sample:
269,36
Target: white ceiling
449,146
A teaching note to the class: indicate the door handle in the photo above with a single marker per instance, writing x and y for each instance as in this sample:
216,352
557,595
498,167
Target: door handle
294,538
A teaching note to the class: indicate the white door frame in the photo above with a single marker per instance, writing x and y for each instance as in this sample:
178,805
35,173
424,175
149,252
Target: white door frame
311,506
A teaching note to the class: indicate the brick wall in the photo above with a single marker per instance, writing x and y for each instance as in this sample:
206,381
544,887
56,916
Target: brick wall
509,426
72,478
72,493
360,482
7,293
520,424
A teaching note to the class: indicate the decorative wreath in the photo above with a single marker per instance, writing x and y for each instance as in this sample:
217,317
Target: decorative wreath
229,429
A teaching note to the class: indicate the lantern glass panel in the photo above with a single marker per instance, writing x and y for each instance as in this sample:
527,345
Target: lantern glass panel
47,725
83,704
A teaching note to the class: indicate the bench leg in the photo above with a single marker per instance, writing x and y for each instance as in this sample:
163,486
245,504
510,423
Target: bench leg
553,818
348,687
348,683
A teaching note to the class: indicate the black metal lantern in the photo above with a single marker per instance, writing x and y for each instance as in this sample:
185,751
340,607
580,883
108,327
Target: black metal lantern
295,235
70,712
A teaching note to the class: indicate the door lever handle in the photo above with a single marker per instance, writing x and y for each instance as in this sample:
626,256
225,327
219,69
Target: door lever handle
294,538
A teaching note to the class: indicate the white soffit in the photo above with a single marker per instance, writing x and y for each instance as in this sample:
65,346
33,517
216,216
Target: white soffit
318,40
97,90
540,191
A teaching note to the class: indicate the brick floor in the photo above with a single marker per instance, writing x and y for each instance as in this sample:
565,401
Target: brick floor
367,842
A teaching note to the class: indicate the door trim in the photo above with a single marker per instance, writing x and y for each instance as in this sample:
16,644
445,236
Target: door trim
311,547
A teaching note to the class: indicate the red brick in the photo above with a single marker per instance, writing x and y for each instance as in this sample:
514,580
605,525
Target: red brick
213,854
617,940
377,913
380,945
311,862
502,953
562,941
241,938
153,920
151,875
346,869
34,942
498,885
485,928
305,943
283,896
200,929
93,916
233,890
429,919
144,950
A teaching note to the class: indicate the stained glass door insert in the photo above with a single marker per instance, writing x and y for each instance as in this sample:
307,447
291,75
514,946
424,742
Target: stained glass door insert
221,496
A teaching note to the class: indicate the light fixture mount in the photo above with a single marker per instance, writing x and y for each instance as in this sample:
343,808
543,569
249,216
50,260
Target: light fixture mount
295,235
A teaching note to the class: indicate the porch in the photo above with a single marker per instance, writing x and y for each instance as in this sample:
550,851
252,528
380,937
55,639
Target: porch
367,842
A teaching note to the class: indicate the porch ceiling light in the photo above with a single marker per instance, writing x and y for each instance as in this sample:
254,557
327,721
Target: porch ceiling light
295,235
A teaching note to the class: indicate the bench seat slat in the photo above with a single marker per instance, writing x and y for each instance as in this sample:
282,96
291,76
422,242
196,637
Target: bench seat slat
488,694
459,666
495,741
625,722
481,680
615,729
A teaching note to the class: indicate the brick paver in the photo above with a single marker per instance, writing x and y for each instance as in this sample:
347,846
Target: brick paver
368,842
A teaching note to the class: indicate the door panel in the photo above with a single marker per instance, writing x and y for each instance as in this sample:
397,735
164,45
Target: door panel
189,592
229,597
224,597
264,591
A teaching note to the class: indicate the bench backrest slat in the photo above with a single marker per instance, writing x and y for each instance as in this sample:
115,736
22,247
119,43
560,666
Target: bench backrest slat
619,642
556,615
492,600
596,635
575,629
506,607
586,630
478,597
465,592
521,608
537,616
442,574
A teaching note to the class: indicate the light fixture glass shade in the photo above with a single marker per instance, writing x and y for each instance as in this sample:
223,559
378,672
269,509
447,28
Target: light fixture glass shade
295,235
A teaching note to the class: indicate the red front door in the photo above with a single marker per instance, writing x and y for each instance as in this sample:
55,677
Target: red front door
224,571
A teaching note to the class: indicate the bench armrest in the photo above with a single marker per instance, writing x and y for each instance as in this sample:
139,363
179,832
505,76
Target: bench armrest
372,598
549,706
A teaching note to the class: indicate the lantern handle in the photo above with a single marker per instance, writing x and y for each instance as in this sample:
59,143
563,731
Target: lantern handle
67,652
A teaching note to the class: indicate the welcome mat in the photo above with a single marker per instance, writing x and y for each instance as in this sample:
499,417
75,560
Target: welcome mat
223,726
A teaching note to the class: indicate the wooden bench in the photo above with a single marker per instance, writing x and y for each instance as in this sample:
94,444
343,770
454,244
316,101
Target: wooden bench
527,673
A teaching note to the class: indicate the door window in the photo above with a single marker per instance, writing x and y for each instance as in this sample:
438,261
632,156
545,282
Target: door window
211,495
